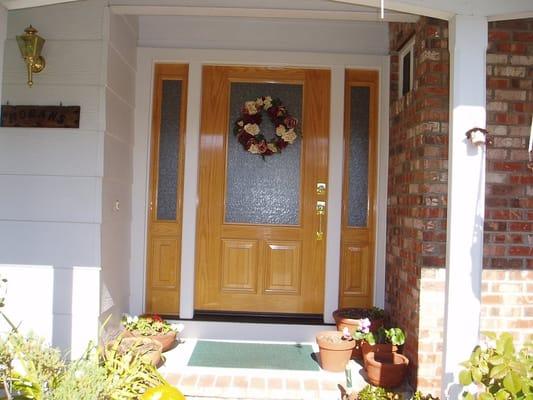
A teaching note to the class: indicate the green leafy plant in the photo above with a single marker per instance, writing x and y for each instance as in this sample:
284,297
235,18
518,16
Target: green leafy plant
394,336
420,396
370,392
148,325
499,371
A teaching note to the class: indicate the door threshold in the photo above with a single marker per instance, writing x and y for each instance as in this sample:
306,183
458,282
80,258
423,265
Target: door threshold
259,318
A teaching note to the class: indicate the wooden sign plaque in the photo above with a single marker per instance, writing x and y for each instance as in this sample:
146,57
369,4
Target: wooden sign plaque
41,116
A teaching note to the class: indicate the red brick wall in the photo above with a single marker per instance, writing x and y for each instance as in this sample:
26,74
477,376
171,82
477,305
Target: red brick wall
417,189
507,299
509,190
417,194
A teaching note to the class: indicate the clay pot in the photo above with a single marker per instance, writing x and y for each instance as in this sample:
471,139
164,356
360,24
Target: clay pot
350,318
387,370
381,348
166,339
150,350
335,352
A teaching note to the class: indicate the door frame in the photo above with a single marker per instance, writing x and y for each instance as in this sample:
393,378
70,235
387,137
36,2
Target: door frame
147,57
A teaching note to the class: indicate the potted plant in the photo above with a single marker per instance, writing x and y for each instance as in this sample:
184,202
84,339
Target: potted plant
383,341
145,347
152,326
335,349
351,318
386,370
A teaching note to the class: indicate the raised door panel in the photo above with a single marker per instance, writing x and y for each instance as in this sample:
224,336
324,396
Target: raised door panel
283,267
163,279
355,279
239,266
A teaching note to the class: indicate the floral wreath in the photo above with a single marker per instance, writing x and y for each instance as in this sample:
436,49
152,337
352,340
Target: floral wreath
249,133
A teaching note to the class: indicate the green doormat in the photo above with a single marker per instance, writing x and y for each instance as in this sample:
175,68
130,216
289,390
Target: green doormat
209,353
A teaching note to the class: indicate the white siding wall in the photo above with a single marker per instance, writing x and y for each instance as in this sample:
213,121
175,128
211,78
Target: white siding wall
51,179
121,42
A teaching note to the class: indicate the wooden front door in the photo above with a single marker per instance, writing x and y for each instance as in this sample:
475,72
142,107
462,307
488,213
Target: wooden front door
259,247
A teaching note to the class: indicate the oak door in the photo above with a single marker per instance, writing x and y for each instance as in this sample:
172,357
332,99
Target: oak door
260,241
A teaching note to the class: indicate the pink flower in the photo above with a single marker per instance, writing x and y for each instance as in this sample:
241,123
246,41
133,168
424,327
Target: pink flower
365,325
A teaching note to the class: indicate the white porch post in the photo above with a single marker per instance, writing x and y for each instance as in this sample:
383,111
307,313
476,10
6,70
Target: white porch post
3,34
466,195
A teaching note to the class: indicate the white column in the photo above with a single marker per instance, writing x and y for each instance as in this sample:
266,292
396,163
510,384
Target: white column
3,34
466,195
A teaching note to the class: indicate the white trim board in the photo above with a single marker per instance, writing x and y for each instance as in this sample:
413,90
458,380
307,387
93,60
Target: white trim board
262,13
196,58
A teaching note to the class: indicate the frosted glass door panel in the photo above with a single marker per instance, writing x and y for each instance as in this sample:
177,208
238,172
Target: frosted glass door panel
263,191
167,180
358,157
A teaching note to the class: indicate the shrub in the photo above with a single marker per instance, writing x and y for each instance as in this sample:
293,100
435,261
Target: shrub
498,371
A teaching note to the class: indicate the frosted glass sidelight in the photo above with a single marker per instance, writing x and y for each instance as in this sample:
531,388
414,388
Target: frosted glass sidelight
263,191
358,157
167,182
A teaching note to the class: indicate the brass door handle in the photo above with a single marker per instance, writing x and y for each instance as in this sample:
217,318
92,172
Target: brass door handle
320,211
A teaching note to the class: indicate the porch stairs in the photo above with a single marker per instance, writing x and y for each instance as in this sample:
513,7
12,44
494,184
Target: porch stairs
252,384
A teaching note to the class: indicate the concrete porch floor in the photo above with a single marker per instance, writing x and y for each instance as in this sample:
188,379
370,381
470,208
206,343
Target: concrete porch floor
232,383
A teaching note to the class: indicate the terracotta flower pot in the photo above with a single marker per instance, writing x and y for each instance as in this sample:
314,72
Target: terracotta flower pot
350,318
150,350
166,339
381,348
387,370
335,352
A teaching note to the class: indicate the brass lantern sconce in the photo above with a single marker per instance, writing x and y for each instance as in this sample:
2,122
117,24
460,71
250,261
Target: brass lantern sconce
31,45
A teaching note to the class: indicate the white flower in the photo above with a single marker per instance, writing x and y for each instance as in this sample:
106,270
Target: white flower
135,319
178,327
18,367
254,149
250,107
289,136
252,129
259,102
78,375
280,130
272,147
267,102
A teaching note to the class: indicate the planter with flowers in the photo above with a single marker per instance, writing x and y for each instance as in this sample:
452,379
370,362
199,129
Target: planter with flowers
154,327
352,318
384,366
335,349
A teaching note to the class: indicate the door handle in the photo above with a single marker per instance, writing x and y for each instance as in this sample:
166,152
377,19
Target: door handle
320,211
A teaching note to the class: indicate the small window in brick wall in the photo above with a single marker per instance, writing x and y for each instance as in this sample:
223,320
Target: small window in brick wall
406,62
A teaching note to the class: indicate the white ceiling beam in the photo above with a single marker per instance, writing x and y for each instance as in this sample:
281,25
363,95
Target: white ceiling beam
506,17
403,7
261,13
19,4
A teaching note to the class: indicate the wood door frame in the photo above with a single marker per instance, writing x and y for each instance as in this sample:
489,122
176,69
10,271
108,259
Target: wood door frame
370,79
157,228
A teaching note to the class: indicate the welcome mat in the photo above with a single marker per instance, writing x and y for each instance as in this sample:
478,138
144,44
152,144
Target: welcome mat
215,354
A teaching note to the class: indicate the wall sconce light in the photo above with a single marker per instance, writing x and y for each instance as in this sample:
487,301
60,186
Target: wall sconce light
479,136
30,45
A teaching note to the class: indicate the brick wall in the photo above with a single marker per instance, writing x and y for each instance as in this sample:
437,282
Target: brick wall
417,194
417,185
507,299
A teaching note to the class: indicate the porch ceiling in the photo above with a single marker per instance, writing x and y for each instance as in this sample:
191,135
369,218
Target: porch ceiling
312,9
